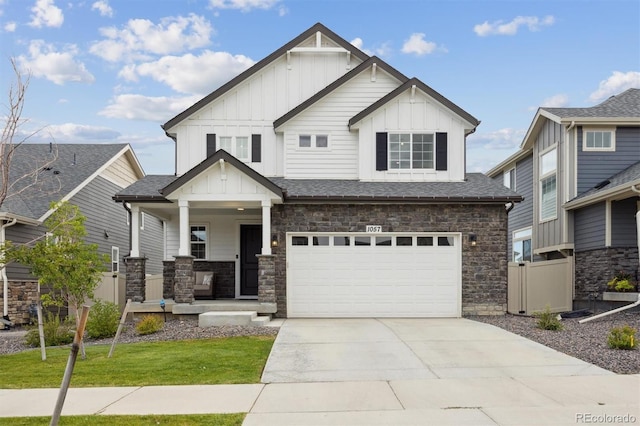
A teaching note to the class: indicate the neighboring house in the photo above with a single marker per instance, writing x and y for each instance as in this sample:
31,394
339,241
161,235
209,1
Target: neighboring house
324,183
85,175
579,172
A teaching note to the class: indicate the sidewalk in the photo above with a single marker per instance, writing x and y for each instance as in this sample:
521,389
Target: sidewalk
564,400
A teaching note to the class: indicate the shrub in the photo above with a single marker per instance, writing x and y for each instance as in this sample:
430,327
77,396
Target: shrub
149,324
103,320
56,332
548,320
622,337
621,282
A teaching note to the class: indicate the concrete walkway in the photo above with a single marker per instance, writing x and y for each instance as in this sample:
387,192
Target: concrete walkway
466,373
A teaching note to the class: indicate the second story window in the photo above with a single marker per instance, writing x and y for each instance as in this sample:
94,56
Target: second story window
510,179
598,140
411,151
548,189
238,146
313,141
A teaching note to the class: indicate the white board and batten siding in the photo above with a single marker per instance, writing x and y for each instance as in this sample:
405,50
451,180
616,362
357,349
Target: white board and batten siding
327,279
329,116
253,105
422,114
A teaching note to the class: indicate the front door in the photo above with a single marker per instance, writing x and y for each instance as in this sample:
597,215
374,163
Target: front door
250,246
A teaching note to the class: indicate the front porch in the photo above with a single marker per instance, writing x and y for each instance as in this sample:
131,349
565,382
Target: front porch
201,306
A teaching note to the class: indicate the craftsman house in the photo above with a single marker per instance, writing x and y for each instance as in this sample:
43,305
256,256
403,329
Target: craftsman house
322,182
87,175
579,172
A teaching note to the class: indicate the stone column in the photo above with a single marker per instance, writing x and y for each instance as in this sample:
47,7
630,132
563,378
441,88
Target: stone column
136,282
266,278
168,278
184,279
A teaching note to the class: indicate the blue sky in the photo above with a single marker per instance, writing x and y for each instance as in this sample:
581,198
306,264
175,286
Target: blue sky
114,70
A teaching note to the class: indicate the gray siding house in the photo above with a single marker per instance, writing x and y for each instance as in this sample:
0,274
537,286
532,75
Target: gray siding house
579,172
85,175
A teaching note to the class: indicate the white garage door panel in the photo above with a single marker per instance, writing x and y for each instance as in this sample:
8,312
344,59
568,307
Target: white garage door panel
365,281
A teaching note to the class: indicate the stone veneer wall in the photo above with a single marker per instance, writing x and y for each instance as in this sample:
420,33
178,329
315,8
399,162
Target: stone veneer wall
184,279
594,268
21,295
484,267
136,282
168,278
224,281
266,279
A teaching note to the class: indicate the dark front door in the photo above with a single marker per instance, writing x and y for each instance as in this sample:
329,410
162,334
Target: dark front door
250,246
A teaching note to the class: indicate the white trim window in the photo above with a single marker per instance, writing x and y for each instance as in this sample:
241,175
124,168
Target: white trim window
142,220
548,185
509,178
115,259
411,151
521,251
198,237
595,139
238,146
320,141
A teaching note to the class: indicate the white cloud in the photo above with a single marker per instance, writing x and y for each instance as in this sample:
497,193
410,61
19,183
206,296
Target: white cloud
616,83
533,23
45,61
382,50
46,14
556,101
244,5
141,37
417,45
184,73
139,107
10,27
80,132
103,7
506,138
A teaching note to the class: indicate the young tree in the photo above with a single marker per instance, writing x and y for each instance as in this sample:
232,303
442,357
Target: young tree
62,261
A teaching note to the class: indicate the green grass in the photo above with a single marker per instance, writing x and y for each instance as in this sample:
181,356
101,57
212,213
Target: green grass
188,362
178,420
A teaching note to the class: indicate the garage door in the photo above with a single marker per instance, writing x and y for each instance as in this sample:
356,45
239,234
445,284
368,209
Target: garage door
381,275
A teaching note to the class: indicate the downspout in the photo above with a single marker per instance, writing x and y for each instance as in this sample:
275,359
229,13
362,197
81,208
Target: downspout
637,191
5,279
510,206
124,204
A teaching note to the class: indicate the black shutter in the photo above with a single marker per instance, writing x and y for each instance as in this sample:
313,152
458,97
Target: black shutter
381,151
211,144
441,151
256,148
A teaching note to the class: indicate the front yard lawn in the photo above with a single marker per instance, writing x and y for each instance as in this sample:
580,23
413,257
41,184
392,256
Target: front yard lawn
231,360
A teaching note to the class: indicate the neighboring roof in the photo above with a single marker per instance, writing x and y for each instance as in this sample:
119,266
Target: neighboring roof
618,183
423,87
260,65
508,162
339,82
221,155
146,189
69,168
477,188
623,105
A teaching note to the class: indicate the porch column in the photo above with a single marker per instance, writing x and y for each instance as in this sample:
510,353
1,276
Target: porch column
266,227
136,284
135,231
183,250
184,279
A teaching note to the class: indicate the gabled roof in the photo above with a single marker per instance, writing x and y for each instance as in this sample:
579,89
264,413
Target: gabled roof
476,189
69,168
260,65
617,185
339,82
221,155
146,189
623,105
424,88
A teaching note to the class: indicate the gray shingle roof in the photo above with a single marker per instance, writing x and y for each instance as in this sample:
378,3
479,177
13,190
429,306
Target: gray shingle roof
61,176
625,104
476,188
148,188
625,177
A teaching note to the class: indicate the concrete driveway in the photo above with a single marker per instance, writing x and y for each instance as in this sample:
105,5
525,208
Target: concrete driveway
348,350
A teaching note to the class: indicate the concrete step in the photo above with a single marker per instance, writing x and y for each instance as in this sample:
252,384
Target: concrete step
216,318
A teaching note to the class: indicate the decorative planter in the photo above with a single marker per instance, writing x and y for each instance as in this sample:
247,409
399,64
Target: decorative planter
616,296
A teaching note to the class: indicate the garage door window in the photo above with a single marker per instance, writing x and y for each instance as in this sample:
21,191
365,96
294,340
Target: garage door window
383,241
320,241
445,241
362,241
425,241
341,241
299,241
404,241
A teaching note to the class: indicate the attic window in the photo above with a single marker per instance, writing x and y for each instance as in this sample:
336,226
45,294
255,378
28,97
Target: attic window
598,140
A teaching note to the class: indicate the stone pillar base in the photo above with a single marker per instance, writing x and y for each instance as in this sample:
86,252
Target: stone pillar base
184,279
266,278
136,282
168,278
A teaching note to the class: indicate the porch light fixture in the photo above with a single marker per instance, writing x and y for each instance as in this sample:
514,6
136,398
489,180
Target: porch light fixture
274,240
240,209
473,240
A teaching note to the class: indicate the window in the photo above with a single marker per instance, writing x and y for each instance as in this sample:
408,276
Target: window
142,220
404,241
313,141
445,241
320,241
199,241
299,241
411,151
598,140
115,260
522,246
341,241
548,190
238,146
362,241
510,179
425,241
383,241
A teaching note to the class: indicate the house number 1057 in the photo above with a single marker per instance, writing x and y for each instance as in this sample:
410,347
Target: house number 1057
373,228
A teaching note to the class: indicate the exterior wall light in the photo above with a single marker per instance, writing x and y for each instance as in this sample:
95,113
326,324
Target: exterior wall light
274,240
473,240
